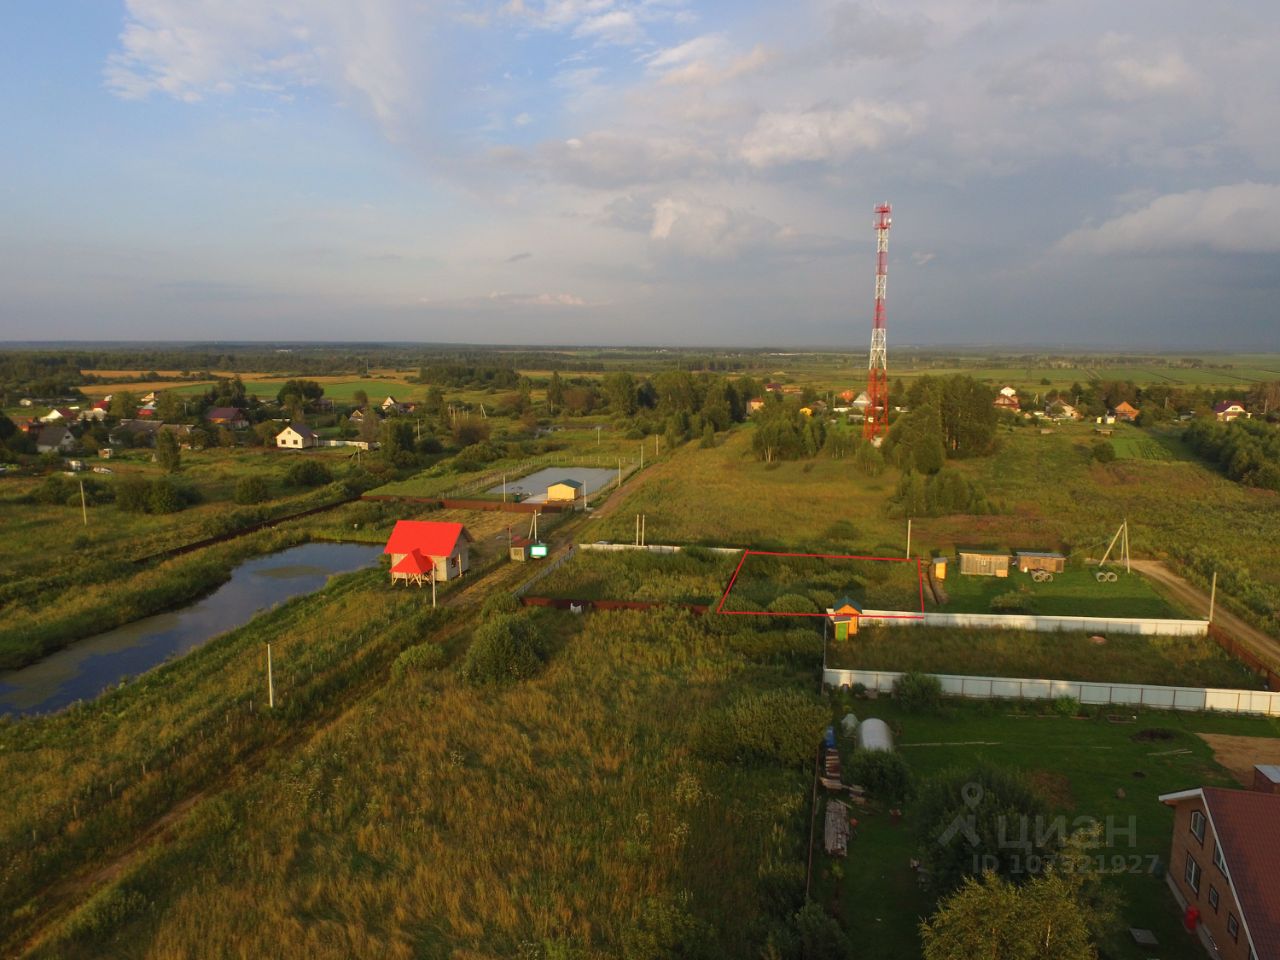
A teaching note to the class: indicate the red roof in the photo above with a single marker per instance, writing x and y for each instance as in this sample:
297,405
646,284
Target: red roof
431,538
1248,828
102,405
413,562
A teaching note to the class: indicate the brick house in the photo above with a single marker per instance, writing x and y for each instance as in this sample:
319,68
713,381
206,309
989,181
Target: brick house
1222,869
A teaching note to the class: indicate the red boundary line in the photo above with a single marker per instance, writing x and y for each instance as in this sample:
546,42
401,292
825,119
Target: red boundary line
820,556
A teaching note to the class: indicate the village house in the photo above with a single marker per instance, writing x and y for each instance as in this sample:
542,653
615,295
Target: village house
359,415
136,432
393,406
1229,410
55,438
1007,399
1061,410
297,436
232,417
59,415
1126,411
428,549
1029,560
862,401
1222,869
754,404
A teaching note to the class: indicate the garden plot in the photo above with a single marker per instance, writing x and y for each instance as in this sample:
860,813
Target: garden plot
533,488
808,584
691,576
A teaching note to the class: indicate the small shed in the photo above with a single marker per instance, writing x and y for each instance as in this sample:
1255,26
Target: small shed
519,549
939,568
844,618
1029,560
564,491
1266,778
874,734
982,563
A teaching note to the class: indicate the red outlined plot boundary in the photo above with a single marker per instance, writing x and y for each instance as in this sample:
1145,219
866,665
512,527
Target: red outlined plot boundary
819,556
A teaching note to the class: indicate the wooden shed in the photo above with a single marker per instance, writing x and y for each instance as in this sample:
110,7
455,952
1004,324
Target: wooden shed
1266,778
564,490
982,563
1029,560
519,549
844,618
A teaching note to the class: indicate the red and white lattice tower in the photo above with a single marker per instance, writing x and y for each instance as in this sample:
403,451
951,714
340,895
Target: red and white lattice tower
875,422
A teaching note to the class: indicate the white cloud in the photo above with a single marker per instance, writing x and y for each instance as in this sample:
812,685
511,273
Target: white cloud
1238,218
193,49
824,135
616,26
710,231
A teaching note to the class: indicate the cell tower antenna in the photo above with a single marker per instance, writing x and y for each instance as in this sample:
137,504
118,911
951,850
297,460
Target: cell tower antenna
875,423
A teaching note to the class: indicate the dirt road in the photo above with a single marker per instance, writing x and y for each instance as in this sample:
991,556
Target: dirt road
1197,601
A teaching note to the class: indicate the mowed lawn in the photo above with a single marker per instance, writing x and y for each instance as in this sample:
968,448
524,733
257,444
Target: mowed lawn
725,497
1092,768
1075,592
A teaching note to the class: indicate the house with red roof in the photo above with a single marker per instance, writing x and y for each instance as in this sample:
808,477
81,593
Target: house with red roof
422,550
1222,869
1126,411
226,417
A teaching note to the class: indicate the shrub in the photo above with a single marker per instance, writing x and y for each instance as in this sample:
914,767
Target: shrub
661,929
56,489
503,648
1104,451
307,473
164,497
1066,706
131,494
1015,601
499,604
792,603
778,726
885,775
919,692
251,490
420,657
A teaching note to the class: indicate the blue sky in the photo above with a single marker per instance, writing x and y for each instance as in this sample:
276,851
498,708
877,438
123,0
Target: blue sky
1072,172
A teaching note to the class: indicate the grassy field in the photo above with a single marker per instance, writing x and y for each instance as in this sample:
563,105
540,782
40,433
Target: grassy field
725,497
1083,768
875,584
440,820
692,576
1074,592
1163,661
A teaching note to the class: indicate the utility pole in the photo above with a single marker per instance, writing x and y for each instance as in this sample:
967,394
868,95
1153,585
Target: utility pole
271,683
597,434
642,455
84,510
504,488
619,473
908,554
1213,594
433,585
642,520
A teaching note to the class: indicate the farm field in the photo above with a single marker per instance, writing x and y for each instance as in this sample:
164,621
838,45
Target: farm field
1082,768
1074,592
1069,655
339,388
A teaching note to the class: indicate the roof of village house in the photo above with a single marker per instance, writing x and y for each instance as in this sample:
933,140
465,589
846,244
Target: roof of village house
566,483
413,562
431,538
224,413
1226,405
1039,553
1124,406
52,435
1247,826
302,430
139,426
846,602
102,405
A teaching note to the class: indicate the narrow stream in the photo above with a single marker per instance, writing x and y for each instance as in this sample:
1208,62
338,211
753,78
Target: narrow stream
88,667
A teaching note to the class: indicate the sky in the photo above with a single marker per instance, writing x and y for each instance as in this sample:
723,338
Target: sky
1082,173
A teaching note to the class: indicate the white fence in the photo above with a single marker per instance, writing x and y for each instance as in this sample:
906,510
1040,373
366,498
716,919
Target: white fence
1087,692
655,548
1149,626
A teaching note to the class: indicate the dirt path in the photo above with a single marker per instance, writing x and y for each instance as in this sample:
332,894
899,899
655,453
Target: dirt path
1239,754
1195,599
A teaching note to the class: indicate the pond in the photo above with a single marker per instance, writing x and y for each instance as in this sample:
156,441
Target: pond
90,666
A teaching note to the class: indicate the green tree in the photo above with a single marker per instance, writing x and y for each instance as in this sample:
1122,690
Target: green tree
300,392
360,398
170,407
503,648
965,817
168,453
555,391
124,405
164,496
307,473
820,935
1104,451
662,930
